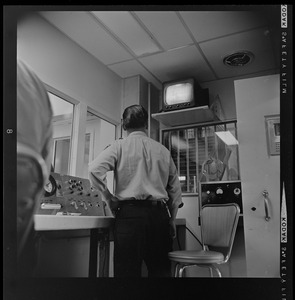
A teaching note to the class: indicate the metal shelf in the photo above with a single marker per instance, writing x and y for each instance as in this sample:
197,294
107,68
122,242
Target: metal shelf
185,116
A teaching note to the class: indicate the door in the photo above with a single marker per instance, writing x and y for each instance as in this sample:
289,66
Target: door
257,98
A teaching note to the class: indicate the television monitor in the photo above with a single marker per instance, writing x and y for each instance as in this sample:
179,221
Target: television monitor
183,93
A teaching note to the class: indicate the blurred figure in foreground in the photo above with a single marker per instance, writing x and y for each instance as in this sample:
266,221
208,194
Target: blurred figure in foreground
34,140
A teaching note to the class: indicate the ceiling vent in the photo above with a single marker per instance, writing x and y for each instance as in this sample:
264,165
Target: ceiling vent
238,59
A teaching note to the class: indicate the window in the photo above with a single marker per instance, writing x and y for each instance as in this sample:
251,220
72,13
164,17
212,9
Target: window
62,133
203,153
79,135
61,155
87,154
99,134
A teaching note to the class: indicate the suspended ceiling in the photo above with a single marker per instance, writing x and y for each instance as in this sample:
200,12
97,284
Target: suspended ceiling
168,45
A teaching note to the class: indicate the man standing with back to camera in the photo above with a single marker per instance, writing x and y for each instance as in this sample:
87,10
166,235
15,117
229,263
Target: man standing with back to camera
146,197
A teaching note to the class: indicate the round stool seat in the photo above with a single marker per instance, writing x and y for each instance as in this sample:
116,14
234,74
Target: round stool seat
193,256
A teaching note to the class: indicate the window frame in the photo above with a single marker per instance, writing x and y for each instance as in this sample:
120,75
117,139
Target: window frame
78,131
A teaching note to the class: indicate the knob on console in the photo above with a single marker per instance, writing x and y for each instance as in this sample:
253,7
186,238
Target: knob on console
219,191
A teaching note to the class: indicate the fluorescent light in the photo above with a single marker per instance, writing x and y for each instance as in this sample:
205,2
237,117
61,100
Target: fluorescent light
227,138
127,29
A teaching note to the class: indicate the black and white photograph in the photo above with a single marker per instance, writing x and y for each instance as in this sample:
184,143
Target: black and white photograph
148,152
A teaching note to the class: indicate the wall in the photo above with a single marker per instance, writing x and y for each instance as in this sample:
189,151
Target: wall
256,98
62,64
226,91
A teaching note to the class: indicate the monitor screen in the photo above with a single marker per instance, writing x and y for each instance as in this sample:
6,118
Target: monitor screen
179,93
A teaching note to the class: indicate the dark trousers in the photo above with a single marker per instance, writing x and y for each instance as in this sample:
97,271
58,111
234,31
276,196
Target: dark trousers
142,233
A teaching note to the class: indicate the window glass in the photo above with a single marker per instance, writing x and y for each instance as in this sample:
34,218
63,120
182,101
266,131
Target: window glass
61,155
62,133
203,154
86,155
99,134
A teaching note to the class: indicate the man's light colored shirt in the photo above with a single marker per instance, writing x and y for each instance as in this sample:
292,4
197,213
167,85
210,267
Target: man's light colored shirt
143,169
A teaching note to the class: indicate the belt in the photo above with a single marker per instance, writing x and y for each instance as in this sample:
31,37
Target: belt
145,203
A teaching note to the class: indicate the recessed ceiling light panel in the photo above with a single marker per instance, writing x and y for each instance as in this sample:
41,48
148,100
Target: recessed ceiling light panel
238,59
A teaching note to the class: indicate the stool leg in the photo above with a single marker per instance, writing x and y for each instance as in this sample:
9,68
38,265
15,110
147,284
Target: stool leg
217,271
176,270
181,271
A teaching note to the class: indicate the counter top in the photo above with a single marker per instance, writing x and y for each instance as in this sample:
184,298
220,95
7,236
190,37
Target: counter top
62,222
57,222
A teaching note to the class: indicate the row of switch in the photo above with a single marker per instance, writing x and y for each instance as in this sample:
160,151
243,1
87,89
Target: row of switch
80,193
83,204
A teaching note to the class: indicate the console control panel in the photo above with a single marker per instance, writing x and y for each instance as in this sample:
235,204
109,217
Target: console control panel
69,195
221,192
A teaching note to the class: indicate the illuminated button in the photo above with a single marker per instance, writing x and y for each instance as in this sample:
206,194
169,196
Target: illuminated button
208,192
219,191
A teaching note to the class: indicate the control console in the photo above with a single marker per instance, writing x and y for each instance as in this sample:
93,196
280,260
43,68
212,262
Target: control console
221,192
69,195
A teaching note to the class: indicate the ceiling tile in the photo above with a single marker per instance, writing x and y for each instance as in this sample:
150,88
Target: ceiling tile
133,68
128,30
206,25
166,27
85,31
179,63
255,41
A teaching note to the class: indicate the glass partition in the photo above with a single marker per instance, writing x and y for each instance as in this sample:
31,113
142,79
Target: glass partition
62,133
203,153
99,134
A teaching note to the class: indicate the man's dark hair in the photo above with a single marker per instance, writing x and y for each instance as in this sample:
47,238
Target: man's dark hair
135,117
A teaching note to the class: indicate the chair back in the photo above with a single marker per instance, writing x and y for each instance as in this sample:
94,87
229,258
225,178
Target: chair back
218,226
